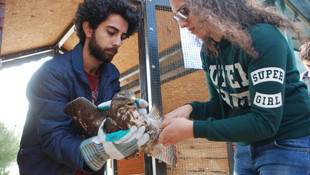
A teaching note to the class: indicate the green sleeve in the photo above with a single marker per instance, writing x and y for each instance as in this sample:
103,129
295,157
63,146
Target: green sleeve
266,75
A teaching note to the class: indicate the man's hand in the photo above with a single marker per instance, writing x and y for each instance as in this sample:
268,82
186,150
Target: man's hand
96,150
141,105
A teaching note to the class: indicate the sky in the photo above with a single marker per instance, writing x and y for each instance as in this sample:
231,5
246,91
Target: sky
13,101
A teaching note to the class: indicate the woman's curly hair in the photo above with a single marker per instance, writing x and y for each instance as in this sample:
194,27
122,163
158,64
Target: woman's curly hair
305,52
96,11
232,18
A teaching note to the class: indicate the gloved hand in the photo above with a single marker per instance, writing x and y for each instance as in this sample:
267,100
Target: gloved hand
96,150
141,105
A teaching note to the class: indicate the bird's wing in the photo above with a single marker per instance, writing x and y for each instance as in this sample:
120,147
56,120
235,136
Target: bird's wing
165,154
154,114
86,116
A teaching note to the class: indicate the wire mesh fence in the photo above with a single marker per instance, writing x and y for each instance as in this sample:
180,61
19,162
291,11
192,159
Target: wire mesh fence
180,80
183,83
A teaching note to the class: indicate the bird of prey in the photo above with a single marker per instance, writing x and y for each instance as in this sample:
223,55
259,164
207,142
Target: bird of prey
122,114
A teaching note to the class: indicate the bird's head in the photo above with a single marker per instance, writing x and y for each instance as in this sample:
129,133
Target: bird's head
124,111
123,99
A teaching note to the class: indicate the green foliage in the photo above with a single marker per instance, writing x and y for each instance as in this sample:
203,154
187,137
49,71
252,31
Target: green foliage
9,145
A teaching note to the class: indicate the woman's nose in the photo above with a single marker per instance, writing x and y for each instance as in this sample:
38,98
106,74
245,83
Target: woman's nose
183,23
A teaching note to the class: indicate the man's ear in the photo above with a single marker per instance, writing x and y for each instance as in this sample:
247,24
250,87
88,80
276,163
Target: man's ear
87,29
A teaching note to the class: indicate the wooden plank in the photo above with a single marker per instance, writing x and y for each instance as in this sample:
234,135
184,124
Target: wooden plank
167,30
33,24
131,166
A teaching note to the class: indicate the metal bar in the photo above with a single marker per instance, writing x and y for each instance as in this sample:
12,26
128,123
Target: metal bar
129,74
144,85
114,164
27,53
17,62
230,157
143,51
65,36
291,6
149,73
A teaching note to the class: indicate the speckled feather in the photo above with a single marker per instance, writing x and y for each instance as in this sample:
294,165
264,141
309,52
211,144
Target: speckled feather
122,114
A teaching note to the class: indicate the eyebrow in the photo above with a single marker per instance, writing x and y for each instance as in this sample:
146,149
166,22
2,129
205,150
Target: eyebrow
112,27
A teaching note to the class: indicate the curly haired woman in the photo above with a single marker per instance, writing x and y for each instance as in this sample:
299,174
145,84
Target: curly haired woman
256,98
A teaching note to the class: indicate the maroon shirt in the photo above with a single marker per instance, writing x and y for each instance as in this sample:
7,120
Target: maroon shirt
93,82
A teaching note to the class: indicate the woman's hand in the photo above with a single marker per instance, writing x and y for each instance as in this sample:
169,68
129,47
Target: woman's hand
176,130
181,112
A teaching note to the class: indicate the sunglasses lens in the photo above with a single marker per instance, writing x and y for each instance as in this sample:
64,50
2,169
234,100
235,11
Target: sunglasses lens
181,14
184,11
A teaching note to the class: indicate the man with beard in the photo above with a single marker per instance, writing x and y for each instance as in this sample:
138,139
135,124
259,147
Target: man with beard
49,144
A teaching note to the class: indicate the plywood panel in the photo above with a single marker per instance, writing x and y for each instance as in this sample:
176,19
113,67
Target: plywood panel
128,54
33,24
186,89
132,166
167,30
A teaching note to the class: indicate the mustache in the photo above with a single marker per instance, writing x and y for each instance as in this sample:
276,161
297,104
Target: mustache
113,49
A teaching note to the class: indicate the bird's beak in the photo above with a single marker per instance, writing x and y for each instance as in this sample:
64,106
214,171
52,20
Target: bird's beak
133,99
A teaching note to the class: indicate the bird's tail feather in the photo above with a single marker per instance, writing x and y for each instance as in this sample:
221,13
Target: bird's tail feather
167,155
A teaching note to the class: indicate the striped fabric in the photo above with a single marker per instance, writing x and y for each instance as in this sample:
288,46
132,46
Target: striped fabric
125,149
93,154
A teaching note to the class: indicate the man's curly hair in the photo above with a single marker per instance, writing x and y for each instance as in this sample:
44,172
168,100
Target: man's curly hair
305,51
97,11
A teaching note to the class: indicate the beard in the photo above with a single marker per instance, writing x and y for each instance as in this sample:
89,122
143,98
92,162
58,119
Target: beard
100,53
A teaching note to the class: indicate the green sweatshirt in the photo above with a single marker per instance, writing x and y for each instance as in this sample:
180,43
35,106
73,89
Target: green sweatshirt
253,99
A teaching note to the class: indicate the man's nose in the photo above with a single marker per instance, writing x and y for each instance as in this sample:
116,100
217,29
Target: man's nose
117,42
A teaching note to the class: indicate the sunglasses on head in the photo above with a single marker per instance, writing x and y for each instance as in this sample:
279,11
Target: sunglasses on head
182,13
